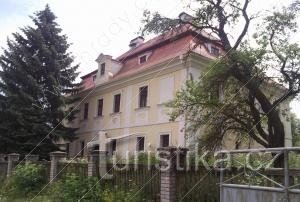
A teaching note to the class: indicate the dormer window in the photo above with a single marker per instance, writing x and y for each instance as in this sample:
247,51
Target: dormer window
102,70
144,58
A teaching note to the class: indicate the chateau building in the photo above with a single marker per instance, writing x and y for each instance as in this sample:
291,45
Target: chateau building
122,102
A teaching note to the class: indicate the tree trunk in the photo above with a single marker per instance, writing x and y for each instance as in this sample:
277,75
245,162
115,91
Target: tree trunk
276,136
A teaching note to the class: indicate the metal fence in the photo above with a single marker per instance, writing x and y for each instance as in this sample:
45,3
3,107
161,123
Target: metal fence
144,179
197,185
261,185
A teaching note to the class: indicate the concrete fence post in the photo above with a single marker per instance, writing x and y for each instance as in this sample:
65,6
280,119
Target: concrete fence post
32,157
11,159
103,156
55,157
2,157
93,160
171,157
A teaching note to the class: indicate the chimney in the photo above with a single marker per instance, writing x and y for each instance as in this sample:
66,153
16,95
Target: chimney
185,18
136,42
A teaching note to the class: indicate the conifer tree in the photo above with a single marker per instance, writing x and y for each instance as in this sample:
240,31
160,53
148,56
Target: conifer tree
37,79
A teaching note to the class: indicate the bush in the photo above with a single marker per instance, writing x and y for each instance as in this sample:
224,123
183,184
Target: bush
27,180
74,187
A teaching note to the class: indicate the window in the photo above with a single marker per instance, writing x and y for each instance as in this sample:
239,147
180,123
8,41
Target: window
143,59
86,111
102,71
96,147
143,96
164,140
117,102
113,146
94,77
82,148
215,51
100,107
140,143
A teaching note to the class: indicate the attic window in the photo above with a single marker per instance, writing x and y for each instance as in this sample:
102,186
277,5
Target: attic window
102,70
143,59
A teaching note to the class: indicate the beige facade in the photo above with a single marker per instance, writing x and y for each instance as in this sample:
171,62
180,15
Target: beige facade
133,121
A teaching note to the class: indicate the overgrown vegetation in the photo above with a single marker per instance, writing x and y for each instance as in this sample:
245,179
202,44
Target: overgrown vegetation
28,182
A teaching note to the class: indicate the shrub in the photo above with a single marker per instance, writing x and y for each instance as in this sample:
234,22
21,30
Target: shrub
74,187
27,180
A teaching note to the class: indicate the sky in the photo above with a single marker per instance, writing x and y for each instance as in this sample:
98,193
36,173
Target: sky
100,26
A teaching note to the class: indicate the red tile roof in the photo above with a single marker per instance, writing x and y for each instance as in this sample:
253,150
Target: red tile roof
162,48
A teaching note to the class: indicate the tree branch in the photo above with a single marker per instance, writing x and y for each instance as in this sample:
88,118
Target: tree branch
246,26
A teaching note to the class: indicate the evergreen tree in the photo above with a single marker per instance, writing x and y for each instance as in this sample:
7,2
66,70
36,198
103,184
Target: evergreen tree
37,79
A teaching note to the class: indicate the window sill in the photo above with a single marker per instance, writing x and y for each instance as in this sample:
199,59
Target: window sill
115,113
163,104
142,108
99,117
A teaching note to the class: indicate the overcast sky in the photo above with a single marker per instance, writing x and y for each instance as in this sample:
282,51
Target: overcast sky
99,26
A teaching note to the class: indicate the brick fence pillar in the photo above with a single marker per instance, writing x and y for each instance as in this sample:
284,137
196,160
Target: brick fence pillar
32,157
55,157
93,160
171,159
11,159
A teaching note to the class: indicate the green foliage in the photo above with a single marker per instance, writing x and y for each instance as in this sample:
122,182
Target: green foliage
36,75
237,95
26,181
295,127
156,23
73,188
144,158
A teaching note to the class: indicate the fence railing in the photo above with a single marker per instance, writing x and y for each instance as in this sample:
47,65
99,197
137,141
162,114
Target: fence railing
193,184
275,183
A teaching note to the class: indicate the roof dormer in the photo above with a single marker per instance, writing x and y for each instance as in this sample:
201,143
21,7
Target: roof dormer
107,68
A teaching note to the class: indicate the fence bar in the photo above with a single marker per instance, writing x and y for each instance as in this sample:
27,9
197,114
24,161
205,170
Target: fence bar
286,175
278,149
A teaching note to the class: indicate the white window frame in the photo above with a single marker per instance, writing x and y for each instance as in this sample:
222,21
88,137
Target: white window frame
147,54
113,101
165,133
97,106
136,145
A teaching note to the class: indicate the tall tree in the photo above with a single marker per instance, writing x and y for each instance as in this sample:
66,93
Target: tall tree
37,78
251,102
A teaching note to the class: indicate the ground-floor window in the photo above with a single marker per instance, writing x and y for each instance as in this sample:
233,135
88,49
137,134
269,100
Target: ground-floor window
164,140
140,143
